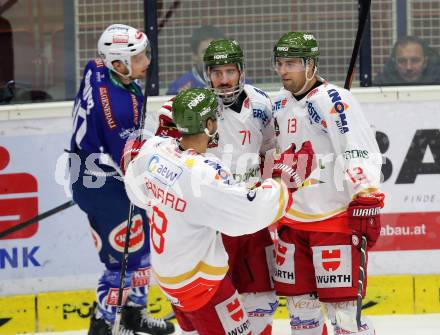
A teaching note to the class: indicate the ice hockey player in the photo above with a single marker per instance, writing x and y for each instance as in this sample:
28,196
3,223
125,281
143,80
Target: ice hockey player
246,133
106,110
318,251
190,197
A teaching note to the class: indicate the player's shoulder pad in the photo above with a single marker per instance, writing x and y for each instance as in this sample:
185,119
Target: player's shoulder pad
256,95
221,173
280,101
260,103
255,91
95,72
316,105
96,65
160,161
153,142
331,103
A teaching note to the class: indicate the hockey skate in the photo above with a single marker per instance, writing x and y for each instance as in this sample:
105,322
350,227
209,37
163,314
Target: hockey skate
137,319
101,327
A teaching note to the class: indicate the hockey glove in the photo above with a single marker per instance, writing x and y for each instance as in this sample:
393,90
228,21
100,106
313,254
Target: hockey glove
131,150
364,218
294,167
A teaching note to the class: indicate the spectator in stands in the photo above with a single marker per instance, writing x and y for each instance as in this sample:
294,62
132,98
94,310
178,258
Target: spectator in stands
200,40
412,62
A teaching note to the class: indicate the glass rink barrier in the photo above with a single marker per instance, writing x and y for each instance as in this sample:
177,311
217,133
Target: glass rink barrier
48,270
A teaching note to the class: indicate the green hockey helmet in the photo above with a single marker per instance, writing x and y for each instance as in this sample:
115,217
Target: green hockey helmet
192,109
296,44
299,45
223,52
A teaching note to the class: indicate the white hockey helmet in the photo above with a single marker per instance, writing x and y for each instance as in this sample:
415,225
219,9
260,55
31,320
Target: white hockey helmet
120,42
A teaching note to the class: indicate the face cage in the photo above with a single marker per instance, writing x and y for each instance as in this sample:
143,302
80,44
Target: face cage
229,95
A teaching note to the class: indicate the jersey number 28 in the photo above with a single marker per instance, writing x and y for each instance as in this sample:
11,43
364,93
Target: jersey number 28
159,224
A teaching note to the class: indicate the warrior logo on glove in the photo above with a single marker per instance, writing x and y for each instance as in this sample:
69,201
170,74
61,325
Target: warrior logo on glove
295,167
364,218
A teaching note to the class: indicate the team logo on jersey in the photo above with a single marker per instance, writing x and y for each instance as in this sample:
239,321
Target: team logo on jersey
163,170
333,266
260,114
356,153
135,104
137,235
99,77
250,173
222,174
106,107
279,104
313,114
125,133
339,108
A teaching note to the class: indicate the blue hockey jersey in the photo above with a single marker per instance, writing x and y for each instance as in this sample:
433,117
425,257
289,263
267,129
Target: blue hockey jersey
105,112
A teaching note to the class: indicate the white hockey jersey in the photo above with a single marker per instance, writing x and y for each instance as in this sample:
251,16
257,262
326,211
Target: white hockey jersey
189,199
242,136
349,161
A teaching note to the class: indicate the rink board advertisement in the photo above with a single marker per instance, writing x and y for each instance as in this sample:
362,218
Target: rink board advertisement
58,253
410,143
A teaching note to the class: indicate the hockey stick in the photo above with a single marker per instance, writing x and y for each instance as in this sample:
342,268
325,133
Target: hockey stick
168,14
123,272
363,251
39,217
57,209
364,11
127,233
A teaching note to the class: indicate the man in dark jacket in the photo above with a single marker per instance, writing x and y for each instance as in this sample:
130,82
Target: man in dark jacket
412,62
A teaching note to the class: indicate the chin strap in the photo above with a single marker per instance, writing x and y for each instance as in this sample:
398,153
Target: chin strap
302,90
213,138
